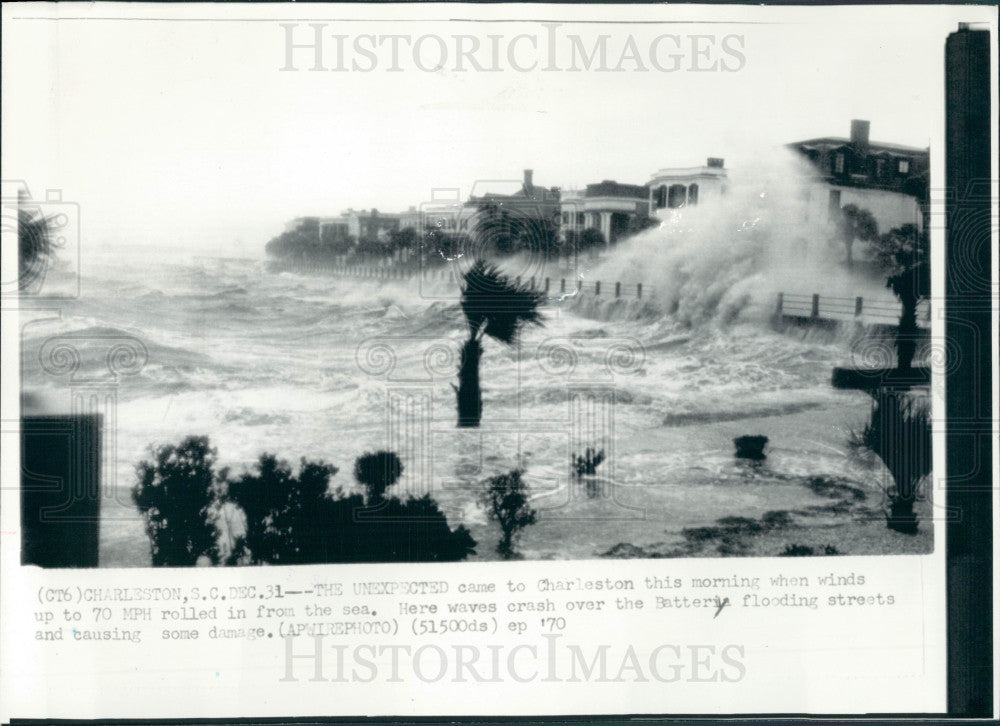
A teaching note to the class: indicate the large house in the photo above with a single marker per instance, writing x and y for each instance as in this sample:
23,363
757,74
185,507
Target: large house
529,199
889,180
350,224
371,224
322,229
531,207
674,188
611,208
444,216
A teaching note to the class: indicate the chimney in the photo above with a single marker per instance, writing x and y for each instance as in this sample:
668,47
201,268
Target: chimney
859,135
716,163
527,179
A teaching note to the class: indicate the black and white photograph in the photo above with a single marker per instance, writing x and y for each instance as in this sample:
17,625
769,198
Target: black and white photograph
505,286
441,315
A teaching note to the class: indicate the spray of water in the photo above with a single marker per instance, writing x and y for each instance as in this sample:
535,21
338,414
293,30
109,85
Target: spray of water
727,258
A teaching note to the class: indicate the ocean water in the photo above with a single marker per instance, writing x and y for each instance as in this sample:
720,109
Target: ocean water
317,366
330,367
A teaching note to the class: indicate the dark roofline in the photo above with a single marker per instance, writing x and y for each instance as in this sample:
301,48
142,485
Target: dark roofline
843,141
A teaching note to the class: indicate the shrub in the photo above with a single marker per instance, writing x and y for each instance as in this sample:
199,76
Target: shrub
377,472
588,463
506,501
285,514
176,492
797,550
412,531
284,517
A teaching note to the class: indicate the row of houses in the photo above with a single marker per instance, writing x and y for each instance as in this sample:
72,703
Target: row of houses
889,180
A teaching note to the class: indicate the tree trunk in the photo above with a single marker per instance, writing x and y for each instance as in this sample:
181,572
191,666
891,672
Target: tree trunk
906,336
901,517
470,397
505,549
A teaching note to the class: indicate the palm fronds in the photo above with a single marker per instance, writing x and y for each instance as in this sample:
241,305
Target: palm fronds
496,306
34,245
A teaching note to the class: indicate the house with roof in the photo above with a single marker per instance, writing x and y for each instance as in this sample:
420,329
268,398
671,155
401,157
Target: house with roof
889,180
676,187
612,208
530,212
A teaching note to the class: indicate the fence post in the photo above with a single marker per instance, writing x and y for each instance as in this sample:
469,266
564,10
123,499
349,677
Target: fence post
858,303
781,303
579,285
546,284
618,289
532,282
562,284
815,308
517,280
597,287
638,290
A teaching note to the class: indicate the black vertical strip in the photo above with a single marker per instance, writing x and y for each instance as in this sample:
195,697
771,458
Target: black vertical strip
969,333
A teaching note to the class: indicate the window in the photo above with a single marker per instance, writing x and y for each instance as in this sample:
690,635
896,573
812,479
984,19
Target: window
838,164
677,196
565,217
579,218
661,197
904,166
833,207
880,169
693,194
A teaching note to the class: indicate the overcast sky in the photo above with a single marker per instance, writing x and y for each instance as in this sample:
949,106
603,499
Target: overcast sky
187,130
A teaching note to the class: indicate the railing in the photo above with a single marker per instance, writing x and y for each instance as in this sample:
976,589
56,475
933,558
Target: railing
829,307
549,285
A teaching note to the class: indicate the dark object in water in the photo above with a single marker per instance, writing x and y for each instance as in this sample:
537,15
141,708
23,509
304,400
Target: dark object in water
588,463
750,447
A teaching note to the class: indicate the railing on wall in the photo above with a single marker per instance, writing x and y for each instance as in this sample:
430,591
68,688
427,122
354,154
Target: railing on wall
832,308
550,285
815,307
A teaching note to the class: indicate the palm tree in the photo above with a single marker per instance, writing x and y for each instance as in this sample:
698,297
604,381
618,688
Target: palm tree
377,472
899,433
34,245
904,255
496,307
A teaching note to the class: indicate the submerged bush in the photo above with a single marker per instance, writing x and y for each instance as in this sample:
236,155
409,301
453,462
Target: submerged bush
506,502
587,464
